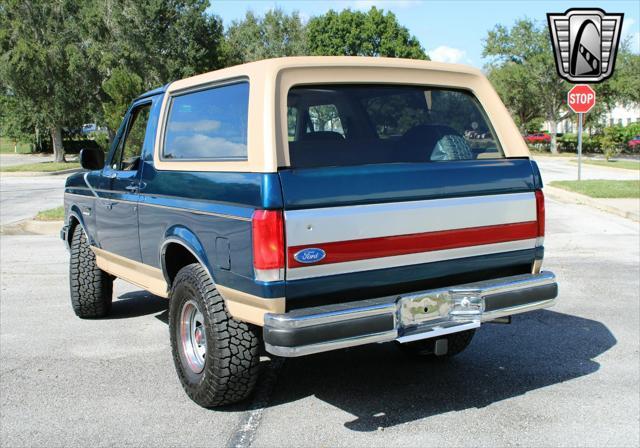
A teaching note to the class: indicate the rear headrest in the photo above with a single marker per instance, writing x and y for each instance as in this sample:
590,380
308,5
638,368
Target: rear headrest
321,136
420,141
429,132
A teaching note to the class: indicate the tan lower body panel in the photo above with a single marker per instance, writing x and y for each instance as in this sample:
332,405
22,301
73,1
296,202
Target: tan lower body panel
139,274
241,306
250,308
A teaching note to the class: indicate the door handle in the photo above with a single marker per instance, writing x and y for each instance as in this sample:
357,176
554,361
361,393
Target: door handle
132,188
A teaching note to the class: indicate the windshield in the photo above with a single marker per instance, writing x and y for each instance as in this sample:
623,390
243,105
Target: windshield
338,125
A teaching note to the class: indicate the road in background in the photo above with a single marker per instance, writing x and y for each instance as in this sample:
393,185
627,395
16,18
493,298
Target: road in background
19,159
23,197
562,168
567,376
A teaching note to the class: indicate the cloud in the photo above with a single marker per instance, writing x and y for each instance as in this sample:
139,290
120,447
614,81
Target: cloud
447,54
627,23
202,146
628,33
304,17
194,126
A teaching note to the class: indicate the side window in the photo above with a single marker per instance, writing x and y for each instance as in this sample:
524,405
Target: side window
208,124
324,118
129,150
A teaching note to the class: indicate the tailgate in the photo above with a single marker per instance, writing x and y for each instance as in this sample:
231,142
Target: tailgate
361,231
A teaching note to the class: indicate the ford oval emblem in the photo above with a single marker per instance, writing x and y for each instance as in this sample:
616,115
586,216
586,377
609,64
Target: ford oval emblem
309,255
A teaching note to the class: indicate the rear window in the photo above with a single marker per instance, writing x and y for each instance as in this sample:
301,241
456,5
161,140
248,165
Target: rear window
338,125
208,124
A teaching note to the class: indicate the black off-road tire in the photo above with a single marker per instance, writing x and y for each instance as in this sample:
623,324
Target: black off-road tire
231,360
425,348
91,287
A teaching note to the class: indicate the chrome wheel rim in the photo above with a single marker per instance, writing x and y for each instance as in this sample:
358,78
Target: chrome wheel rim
193,336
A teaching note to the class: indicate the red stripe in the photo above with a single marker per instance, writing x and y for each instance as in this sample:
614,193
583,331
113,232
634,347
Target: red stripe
341,251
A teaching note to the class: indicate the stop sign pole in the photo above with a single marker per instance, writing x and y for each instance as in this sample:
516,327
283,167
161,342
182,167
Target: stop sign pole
580,99
579,145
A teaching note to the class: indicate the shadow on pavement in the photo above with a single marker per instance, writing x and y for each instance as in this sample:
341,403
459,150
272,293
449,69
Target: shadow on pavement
135,304
383,387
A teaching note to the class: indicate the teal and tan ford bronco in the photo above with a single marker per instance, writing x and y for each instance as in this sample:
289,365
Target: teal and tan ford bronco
301,205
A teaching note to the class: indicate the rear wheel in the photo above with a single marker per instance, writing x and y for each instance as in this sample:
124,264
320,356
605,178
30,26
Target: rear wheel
91,288
215,356
441,348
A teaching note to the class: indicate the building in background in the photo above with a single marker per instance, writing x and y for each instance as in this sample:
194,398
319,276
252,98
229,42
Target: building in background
619,115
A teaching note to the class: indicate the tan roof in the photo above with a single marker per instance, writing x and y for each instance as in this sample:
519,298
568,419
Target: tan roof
274,66
271,79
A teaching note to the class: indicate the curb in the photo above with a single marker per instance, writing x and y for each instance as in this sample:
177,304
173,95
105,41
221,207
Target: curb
577,198
38,174
32,227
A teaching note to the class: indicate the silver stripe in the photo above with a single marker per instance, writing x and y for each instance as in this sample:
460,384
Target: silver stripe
324,225
86,181
409,259
197,212
84,196
188,210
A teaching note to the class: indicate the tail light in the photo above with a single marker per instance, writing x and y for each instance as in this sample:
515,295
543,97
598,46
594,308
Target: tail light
540,215
268,245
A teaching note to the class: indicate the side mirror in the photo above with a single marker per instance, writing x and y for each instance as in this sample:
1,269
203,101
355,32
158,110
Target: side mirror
92,158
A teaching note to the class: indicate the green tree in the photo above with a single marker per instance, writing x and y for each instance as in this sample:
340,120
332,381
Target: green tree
121,88
14,123
43,63
164,40
513,82
276,34
625,82
357,33
524,74
527,46
144,44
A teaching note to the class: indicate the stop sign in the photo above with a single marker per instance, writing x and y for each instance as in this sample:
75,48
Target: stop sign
581,98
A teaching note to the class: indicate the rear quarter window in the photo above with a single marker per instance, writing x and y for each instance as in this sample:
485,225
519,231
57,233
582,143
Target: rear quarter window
208,124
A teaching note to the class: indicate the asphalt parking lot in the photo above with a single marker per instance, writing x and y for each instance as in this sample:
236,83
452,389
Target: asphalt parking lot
23,197
568,376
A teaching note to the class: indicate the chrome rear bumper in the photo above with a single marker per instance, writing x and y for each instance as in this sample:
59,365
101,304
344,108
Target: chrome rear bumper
405,318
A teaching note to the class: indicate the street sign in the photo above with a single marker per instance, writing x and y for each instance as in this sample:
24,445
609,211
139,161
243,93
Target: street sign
581,98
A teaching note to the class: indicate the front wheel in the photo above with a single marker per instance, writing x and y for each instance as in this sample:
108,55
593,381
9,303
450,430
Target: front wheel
215,356
440,348
91,288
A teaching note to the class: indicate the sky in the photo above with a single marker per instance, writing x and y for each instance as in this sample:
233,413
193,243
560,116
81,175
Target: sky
450,31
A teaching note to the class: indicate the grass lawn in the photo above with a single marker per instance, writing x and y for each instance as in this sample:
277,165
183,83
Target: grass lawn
53,214
625,164
7,146
42,167
601,188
